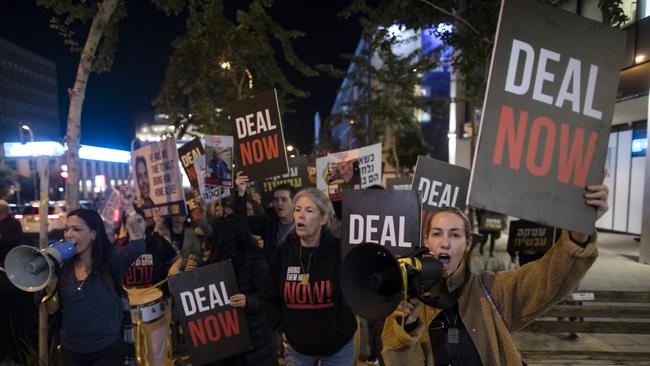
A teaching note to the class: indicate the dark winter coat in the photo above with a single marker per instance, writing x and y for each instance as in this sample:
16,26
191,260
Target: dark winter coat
232,240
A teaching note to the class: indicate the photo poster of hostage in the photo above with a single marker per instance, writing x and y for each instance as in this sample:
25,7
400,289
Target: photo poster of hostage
439,184
342,172
158,179
212,328
208,193
218,160
547,114
259,140
296,177
386,217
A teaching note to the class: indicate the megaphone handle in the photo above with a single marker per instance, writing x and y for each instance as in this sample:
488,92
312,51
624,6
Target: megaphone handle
403,270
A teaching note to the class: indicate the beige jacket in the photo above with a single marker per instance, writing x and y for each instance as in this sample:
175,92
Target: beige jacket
521,295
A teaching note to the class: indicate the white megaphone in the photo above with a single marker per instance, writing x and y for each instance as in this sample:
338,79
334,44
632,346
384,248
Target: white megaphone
30,269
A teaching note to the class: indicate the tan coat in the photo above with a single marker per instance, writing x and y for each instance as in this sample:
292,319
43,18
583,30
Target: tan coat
521,295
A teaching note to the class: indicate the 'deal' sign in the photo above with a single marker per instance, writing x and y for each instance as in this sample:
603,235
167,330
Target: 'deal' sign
547,115
389,218
259,140
213,329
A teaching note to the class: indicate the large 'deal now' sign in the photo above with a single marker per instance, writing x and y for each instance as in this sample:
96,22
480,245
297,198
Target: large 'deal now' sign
547,115
259,140
213,329
388,218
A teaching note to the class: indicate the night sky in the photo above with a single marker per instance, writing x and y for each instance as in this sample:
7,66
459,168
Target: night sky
114,99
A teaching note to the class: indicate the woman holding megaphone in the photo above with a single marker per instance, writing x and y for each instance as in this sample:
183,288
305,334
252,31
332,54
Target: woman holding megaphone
88,290
477,312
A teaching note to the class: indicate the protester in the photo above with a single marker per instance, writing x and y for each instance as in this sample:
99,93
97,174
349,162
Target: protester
490,226
277,223
302,294
158,260
473,325
88,290
232,241
186,242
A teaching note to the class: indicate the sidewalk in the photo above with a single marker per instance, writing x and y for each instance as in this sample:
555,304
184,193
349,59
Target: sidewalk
617,268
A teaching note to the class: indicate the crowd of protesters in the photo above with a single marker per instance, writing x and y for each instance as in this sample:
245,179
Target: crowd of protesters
297,234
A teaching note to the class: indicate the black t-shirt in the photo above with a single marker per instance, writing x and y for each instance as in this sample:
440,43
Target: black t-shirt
450,341
152,265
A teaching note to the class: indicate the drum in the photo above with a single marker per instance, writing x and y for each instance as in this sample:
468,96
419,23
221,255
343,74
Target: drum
146,304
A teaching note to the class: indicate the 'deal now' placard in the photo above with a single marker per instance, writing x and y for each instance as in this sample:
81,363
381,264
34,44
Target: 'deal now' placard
259,140
547,115
213,329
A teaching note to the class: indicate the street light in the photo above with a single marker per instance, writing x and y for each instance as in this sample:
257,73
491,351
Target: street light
25,128
352,122
293,151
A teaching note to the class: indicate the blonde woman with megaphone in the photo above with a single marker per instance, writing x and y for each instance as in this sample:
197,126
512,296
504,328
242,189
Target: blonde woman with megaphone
473,325
88,290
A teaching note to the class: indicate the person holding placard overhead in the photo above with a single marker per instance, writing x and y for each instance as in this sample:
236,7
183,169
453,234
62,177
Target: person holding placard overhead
302,294
472,322
88,290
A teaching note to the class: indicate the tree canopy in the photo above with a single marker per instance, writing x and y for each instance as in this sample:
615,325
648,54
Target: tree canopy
218,61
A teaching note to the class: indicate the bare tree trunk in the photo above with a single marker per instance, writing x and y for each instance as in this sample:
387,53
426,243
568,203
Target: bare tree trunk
390,143
43,167
77,95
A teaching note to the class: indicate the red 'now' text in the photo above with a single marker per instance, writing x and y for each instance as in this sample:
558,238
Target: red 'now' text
316,295
573,160
212,327
259,150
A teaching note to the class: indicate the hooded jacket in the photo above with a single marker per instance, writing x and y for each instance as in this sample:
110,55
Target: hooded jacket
232,240
519,295
313,317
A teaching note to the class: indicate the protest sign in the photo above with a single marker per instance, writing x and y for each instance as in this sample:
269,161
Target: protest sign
158,179
209,193
531,238
212,328
547,115
218,160
111,211
259,140
370,165
343,172
440,184
321,174
399,183
297,177
387,218
188,153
